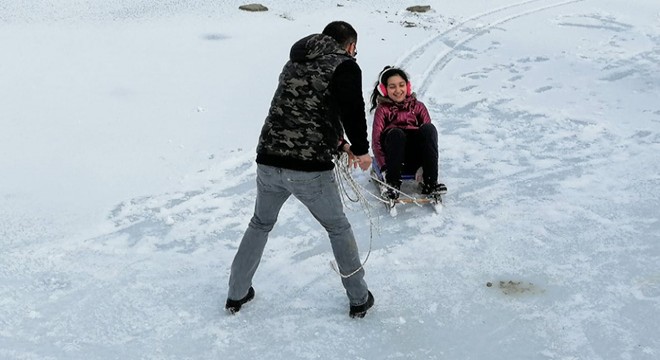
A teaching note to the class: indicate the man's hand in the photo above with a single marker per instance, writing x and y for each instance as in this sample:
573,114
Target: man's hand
352,159
364,161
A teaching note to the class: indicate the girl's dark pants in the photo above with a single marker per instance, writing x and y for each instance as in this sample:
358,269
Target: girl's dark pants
407,150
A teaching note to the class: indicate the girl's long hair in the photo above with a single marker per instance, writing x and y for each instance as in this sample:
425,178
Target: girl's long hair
385,74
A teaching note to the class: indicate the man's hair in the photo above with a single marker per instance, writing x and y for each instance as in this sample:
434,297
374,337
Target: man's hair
342,32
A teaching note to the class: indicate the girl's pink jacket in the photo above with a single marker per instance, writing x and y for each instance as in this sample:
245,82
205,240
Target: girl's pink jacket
409,114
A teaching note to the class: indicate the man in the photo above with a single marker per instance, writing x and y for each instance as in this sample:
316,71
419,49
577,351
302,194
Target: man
319,97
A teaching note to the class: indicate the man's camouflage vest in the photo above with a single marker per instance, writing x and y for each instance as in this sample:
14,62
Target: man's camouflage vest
302,123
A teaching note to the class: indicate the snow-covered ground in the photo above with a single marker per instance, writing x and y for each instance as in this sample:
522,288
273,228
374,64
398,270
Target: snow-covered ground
127,135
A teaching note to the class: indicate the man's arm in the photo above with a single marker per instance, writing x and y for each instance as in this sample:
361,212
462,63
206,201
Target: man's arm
346,89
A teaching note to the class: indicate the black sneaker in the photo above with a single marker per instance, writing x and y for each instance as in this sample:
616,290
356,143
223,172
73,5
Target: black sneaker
233,306
392,192
433,189
359,311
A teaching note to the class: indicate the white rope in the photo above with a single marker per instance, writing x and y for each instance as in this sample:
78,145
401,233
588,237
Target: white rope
345,181
414,199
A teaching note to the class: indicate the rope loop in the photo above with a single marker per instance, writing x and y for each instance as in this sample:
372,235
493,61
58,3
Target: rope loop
347,183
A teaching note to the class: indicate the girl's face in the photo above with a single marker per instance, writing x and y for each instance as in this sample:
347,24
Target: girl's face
396,88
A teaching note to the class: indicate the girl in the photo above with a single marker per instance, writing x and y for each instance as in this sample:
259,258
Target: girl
403,137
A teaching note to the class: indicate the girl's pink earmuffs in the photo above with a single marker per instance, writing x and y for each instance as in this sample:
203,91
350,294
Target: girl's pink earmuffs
382,88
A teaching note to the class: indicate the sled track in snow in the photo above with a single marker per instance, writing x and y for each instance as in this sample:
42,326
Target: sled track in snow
446,45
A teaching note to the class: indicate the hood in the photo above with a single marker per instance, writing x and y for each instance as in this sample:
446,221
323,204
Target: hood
314,46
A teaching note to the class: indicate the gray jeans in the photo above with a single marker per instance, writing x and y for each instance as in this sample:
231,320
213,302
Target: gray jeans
319,193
